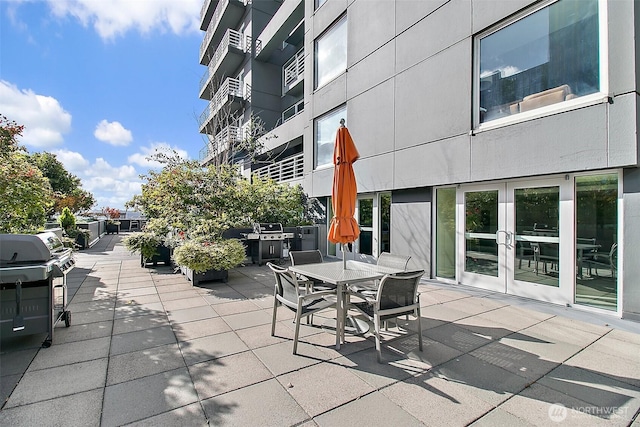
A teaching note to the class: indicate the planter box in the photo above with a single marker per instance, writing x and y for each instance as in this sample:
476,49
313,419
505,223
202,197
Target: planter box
164,256
113,228
207,276
82,241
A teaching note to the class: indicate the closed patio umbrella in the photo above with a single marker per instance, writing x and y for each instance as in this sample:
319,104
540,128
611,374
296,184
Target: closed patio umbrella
344,227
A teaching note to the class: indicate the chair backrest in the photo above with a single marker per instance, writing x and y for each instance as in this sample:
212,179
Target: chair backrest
393,261
398,290
287,287
305,257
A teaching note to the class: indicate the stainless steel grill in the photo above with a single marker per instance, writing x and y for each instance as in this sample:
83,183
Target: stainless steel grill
33,286
266,242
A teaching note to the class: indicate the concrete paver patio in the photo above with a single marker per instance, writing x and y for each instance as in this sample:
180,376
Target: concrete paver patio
145,347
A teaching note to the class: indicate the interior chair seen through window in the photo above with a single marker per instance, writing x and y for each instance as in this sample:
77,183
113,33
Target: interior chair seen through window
287,293
397,295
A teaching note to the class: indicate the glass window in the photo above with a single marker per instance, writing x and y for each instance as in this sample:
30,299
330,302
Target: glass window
544,58
597,241
446,233
326,127
331,53
319,3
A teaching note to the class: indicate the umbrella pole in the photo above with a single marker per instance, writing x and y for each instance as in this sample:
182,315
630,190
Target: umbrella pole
344,258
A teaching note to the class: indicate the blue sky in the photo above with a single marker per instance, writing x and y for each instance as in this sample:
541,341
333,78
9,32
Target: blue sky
102,84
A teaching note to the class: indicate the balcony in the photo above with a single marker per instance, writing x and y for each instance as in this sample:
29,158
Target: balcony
225,61
286,170
286,25
220,143
230,94
228,14
293,75
206,12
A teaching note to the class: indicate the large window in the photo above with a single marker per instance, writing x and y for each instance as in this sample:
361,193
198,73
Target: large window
544,58
326,127
331,53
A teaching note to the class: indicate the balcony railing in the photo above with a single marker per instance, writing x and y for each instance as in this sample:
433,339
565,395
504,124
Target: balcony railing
292,71
213,24
232,38
221,142
285,170
230,87
204,8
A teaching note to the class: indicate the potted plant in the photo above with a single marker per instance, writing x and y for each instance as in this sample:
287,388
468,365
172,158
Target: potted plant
150,246
80,236
208,259
112,214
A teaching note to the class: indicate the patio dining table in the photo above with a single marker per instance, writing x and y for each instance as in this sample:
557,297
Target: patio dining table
341,276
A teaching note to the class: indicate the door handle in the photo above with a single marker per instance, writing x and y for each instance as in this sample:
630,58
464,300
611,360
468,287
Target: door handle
507,238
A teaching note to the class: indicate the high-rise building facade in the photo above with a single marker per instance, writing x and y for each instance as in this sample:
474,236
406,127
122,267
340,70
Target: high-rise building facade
498,140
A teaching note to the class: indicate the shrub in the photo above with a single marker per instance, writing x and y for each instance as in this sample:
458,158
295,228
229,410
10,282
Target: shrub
201,256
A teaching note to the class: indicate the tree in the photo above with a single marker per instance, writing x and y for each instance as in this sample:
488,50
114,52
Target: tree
26,193
66,186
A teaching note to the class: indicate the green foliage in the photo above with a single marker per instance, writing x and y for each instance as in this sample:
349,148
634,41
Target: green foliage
67,220
67,191
144,243
204,255
26,193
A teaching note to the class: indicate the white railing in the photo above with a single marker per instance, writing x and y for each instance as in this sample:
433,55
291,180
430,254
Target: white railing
230,87
203,11
213,24
232,38
221,142
292,70
285,170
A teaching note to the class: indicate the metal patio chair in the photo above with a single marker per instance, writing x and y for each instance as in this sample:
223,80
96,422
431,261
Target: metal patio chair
397,295
288,293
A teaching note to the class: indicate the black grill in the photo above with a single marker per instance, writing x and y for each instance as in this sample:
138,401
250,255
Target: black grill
33,286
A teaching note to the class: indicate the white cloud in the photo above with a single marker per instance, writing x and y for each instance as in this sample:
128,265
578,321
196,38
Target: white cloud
73,162
115,17
111,185
44,119
142,158
113,133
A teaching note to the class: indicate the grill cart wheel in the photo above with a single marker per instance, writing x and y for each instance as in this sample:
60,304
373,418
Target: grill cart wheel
67,318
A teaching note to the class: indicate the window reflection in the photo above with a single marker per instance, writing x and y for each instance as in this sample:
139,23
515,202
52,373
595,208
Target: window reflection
331,53
545,58
326,127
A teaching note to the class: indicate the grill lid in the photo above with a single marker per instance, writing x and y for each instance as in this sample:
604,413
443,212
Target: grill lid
27,248
264,228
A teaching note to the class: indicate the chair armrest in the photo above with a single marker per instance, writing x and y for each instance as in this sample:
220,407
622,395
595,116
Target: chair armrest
315,295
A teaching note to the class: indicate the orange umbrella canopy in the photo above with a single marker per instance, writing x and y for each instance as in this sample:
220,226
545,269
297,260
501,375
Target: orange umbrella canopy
344,227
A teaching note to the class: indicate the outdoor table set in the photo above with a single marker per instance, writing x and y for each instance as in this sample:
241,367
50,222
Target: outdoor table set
341,275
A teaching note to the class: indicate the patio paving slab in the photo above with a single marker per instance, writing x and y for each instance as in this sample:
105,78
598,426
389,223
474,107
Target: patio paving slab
189,415
436,402
148,396
264,404
69,353
540,405
127,324
142,363
191,314
36,386
591,387
211,347
80,409
200,328
142,339
228,373
322,387
372,410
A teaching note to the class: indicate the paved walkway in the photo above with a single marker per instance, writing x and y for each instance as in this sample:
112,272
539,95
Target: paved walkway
147,348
